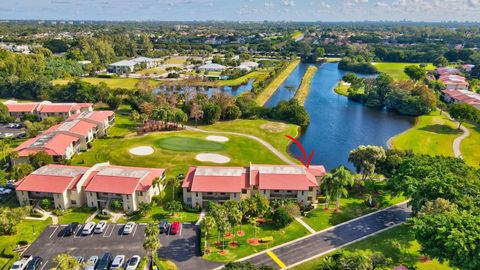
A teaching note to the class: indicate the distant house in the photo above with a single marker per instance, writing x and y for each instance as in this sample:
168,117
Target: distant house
212,67
102,119
129,66
248,65
447,71
97,186
45,109
58,145
468,67
462,96
454,82
219,184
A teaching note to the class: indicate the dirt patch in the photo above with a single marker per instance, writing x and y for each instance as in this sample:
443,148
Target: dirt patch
274,127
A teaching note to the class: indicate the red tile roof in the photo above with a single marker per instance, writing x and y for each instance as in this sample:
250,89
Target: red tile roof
216,179
122,179
51,179
97,116
56,107
21,107
53,144
79,127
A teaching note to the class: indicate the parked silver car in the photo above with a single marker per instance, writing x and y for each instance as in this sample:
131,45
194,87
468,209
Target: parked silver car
133,263
128,228
101,226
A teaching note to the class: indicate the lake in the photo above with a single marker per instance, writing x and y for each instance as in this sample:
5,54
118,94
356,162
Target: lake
338,125
232,90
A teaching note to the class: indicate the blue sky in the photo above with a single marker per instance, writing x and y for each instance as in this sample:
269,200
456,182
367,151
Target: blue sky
244,10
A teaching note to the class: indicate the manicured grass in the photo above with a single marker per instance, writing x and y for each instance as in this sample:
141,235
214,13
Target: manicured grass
342,88
395,70
240,150
293,231
268,91
304,88
350,207
27,230
432,134
176,60
127,83
152,71
470,146
75,215
124,125
158,214
187,144
397,244
296,35
272,132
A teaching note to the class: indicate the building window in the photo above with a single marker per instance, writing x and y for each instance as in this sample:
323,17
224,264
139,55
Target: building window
276,190
209,193
128,197
234,195
310,189
196,194
74,202
244,191
223,193
140,193
289,191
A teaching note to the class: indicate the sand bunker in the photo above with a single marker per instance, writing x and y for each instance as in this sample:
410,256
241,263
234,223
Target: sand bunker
216,158
217,138
141,151
274,127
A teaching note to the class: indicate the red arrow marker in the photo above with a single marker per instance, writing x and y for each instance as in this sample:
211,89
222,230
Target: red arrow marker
304,160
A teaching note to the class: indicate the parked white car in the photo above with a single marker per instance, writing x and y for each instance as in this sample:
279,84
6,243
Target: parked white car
91,263
133,263
88,228
22,263
118,262
128,228
101,226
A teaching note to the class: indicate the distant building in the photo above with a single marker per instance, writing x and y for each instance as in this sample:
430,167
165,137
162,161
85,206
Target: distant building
219,184
97,186
454,82
212,67
58,145
248,65
468,67
45,109
131,65
462,96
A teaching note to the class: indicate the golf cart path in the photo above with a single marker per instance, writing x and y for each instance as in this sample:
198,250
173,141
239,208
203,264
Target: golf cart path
266,144
458,141
320,243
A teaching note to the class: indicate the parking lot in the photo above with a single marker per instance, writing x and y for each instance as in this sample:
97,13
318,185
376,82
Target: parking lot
52,242
181,248
10,132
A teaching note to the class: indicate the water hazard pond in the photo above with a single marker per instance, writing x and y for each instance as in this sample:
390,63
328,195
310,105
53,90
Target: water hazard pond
338,125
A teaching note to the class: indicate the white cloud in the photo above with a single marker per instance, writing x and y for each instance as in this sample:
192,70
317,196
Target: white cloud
381,4
287,3
268,4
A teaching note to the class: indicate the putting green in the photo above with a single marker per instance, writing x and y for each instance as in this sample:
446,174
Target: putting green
188,144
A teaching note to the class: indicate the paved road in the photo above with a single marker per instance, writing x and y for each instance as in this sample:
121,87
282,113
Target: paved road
266,144
330,239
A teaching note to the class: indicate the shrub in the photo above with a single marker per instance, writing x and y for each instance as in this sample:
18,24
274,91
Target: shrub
266,239
281,218
36,214
45,203
58,212
103,216
116,205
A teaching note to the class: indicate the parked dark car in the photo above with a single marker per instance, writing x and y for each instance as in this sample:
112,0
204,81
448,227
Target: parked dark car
71,229
105,262
34,264
164,226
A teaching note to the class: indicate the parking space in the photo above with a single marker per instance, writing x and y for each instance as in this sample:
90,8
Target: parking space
11,131
53,241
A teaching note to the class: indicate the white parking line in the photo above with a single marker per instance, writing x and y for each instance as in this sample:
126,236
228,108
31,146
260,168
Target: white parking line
106,230
76,232
56,227
135,230
181,226
44,264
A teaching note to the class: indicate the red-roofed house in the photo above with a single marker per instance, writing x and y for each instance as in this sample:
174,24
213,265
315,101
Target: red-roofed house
60,146
83,130
462,96
63,110
20,110
103,120
97,186
205,183
59,183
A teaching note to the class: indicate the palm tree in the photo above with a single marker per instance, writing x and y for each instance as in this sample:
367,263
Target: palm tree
253,222
66,261
342,180
151,244
326,187
209,223
13,157
174,181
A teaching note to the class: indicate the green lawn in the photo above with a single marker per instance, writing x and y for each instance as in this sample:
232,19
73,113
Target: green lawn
75,215
351,207
398,244
270,89
342,88
272,132
293,231
176,60
395,70
127,83
158,214
470,146
187,144
152,71
296,35
432,134
304,88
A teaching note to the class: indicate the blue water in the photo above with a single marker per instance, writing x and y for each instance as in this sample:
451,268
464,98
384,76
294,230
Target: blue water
293,81
232,90
338,125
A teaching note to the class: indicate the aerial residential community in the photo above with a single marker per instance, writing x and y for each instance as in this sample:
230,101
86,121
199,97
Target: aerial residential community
240,135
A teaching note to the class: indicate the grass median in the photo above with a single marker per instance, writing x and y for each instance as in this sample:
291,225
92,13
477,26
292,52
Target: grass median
304,88
270,89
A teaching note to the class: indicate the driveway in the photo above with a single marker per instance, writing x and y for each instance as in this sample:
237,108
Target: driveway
297,251
184,250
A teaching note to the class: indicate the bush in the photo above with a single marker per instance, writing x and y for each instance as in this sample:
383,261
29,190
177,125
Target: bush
266,239
58,212
281,218
36,214
103,216
116,205
107,75
45,203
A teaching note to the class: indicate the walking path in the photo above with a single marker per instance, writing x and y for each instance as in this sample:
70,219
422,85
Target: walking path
320,243
92,216
266,144
45,216
310,229
458,141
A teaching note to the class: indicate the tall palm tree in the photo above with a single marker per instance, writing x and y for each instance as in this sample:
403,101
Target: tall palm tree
342,180
209,223
326,186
